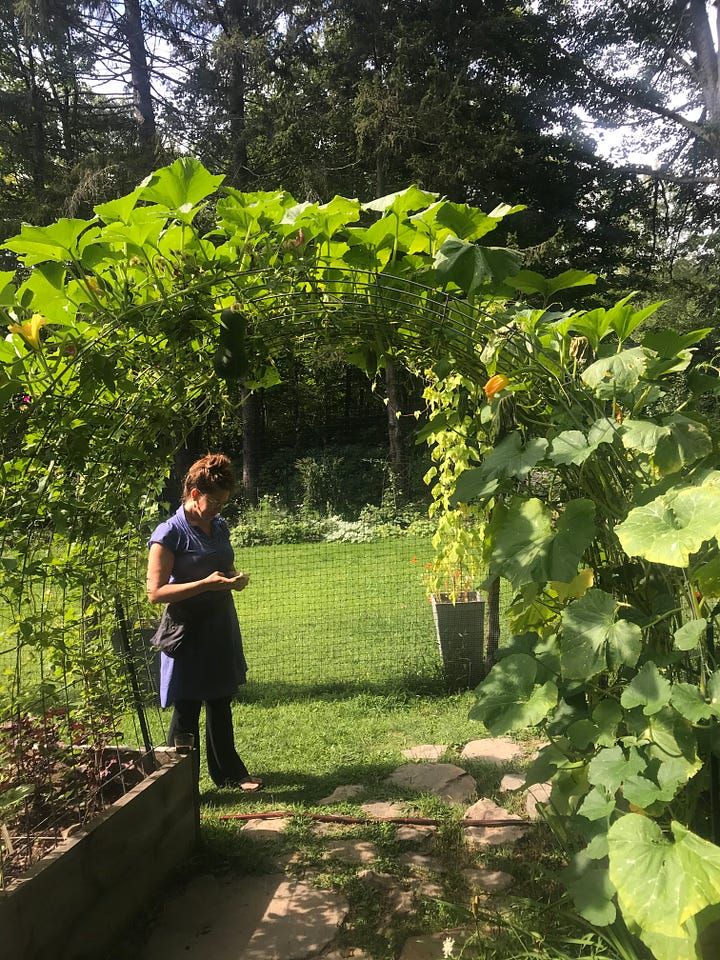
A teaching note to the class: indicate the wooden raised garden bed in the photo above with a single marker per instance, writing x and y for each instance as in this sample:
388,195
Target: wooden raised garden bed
75,902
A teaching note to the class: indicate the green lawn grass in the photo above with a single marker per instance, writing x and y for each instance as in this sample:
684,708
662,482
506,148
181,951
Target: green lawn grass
344,675
337,612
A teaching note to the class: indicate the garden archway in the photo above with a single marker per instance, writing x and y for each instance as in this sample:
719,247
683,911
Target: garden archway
604,484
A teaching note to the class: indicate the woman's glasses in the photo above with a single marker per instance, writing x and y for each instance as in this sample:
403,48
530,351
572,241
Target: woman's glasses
215,502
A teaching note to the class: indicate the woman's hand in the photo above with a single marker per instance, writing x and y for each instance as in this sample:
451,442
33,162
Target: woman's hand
220,581
241,580
160,590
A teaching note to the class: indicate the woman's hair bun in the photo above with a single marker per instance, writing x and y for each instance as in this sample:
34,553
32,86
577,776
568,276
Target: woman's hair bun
211,473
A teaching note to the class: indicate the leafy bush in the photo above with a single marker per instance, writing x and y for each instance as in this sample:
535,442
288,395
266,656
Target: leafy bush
272,523
613,564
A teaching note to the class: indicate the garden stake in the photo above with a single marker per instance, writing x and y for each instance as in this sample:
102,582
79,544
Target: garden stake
132,676
714,769
342,818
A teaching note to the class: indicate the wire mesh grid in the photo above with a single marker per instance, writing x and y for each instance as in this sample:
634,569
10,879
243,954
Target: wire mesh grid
75,662
352,613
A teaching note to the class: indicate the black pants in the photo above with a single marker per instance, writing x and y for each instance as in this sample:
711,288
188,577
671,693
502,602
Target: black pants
224,765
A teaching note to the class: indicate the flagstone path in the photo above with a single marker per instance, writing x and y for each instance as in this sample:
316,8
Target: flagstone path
276,916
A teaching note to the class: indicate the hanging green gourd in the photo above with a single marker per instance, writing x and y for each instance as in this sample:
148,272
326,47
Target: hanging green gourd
230,360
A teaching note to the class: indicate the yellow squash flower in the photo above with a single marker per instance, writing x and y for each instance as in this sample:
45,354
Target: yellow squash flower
30,330
495,385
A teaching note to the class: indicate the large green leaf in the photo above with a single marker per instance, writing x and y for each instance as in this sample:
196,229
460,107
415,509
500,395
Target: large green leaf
7,287
685,442
593,640
574,446
508,459
661,884
623,319
520,533
610,767
402,202
525,546
643,792
594,324
49,293
617,374
673,526
58,241
120,209
181,186
465,222
647,689
607,716
708,577
598,804
673,948
528,281
570,446
670,343
690,634
642,435
689,702
145,226
700,383
322,222
469,266
713,690
509,698
590,888
574,532
672,737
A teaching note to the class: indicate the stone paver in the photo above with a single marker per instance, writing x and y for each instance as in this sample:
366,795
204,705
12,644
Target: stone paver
512,781
381,881
341,794
322,829
347,953
421,861
428,889
414,833
425,751
274,917
445,780
497,750
382,810
398,900
299,922
353,851
429,946
489,881
265,829
250,918
538,793
491,836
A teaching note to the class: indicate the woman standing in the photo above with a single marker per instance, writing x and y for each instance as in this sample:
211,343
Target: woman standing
191,569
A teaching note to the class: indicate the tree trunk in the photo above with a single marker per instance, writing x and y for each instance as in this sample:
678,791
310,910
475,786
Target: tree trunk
493,623
395,445
139,73
36,125
252,436
237,25
184,458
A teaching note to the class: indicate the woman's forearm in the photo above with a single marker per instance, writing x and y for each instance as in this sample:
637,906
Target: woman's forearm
174,592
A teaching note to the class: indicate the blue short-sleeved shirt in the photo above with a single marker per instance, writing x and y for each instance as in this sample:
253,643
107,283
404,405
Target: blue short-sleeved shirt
210,664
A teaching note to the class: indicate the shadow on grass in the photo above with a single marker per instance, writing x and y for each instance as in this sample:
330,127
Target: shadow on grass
298,789
393,687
